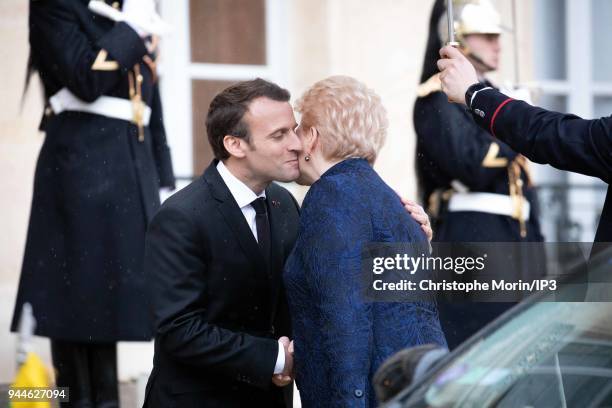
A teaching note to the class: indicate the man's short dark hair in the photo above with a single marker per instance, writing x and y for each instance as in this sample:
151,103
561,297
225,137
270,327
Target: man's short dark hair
227,110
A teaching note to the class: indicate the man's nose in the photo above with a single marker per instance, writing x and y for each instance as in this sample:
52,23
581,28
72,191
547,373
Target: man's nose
295,143
497,44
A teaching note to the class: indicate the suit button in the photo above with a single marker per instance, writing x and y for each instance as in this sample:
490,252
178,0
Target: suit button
358,393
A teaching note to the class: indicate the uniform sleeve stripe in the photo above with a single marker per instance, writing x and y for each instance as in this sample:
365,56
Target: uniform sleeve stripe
501,105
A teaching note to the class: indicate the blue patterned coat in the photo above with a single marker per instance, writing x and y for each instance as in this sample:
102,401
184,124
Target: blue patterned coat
340,340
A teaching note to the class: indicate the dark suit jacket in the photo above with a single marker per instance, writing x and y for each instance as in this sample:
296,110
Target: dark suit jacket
566,142
218,308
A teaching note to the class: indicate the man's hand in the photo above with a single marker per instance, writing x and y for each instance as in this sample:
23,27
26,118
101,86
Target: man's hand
457,74
283,379
418,213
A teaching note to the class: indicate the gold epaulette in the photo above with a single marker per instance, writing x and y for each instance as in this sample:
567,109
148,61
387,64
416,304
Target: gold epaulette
430,86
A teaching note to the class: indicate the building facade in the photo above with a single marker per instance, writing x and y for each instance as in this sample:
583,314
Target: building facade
559,45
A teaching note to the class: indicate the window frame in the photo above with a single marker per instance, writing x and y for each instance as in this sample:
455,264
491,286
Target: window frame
177,72
579,90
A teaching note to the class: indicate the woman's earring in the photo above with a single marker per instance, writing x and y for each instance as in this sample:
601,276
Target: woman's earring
307,158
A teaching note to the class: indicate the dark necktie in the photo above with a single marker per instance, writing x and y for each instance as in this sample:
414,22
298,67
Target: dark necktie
263,227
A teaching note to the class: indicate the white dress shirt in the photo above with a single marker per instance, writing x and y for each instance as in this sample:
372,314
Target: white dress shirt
244,196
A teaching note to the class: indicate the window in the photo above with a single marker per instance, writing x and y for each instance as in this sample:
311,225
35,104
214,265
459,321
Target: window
214,43
572,68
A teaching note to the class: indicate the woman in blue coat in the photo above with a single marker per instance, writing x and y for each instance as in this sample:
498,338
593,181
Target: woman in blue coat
340,338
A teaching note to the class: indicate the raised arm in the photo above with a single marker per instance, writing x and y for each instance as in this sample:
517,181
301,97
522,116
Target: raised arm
563,141
566,142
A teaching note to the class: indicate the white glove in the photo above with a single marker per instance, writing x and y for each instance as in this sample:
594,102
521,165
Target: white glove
142,17
138,7
138,14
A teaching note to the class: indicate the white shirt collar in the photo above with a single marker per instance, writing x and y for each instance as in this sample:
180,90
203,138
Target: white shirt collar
242,193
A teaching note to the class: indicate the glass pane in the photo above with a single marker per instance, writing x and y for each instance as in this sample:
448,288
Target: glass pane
602,106
549,35
552,354
228,31
202,93
601,37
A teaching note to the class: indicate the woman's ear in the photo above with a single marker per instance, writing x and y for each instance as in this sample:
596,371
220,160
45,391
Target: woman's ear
312,139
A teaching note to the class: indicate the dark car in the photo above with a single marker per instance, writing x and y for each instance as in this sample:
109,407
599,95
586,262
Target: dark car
542,353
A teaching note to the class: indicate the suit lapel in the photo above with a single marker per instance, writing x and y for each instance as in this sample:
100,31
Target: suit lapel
233,216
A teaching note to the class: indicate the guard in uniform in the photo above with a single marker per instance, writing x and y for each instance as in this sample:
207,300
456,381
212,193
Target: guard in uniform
476,188
96,186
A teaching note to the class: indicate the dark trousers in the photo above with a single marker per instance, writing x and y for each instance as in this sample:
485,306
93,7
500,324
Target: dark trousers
90,372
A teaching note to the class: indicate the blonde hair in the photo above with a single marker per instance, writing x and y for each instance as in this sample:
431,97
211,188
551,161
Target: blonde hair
350,118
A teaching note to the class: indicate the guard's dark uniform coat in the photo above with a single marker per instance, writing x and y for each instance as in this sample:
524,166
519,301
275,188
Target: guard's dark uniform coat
450,146
564,141
96,185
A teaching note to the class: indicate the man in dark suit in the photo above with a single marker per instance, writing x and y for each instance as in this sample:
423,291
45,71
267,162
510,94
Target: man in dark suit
214,257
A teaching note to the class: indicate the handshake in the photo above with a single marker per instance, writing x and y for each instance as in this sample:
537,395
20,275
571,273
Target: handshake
283,379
